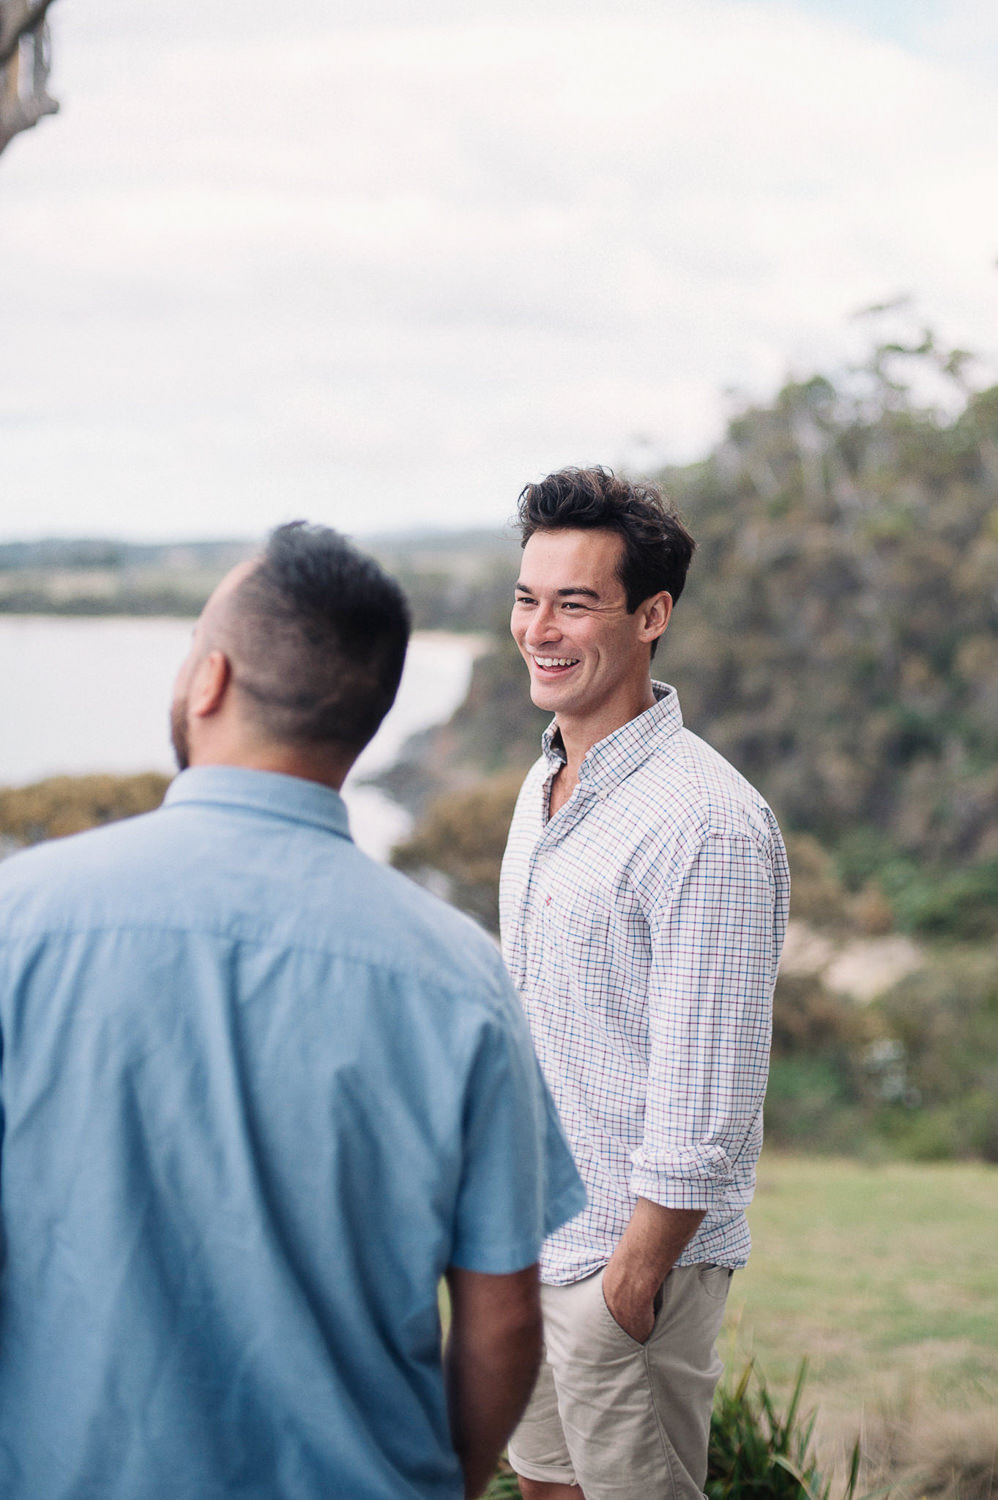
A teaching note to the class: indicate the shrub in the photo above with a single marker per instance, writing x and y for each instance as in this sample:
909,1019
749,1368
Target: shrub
755,1454
818,895
945,1018
462,838
69,804
504,1485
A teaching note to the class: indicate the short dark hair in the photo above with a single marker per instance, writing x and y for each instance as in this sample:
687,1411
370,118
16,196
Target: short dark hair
319,635
657,546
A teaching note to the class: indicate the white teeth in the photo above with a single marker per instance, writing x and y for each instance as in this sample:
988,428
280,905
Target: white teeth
554,661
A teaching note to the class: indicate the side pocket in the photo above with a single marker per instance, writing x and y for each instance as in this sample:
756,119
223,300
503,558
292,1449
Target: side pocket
715,1281
610,1322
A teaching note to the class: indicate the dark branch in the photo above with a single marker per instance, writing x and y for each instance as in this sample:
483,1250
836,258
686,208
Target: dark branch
33,17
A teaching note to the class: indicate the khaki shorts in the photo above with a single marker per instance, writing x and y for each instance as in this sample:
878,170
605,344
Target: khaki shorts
624,1420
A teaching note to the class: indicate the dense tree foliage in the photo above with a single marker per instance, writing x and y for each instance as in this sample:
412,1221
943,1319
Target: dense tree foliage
838,639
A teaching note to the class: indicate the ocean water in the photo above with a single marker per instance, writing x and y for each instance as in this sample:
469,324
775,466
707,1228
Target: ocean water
88,695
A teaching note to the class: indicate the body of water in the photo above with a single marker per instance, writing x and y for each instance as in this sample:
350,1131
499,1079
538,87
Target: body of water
79,696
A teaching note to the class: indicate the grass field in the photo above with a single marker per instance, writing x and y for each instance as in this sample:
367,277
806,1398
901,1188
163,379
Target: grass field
886,1279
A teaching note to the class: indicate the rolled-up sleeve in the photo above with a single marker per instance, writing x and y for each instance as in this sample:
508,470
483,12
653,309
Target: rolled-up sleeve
714,952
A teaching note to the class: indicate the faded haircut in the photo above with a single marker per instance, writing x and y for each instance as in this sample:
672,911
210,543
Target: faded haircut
317,636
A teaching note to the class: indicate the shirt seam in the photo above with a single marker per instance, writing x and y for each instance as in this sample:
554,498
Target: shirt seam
368,956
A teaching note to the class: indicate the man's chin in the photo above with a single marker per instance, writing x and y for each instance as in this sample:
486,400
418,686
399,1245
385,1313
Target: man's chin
547,695
540,697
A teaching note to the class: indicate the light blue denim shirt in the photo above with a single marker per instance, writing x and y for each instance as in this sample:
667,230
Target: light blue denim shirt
257,1092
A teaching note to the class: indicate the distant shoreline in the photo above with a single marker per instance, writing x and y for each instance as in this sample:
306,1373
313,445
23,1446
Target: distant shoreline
455,580
89,696
101,609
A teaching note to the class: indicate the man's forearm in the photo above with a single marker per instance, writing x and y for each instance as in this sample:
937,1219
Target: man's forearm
646,1252
492,1358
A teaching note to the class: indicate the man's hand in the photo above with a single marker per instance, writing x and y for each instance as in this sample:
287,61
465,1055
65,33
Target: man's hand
629,1304
493,1354
648,1249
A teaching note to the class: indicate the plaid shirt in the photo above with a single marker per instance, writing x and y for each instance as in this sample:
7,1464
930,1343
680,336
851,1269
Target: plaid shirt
642,925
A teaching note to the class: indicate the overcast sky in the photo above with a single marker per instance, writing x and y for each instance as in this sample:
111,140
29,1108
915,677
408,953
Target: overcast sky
323,258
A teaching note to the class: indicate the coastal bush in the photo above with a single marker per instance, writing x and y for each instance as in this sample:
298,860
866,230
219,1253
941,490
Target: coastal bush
944,903
504,1485
945,1022
62,805
818,893
457,847
757,1454
911,1075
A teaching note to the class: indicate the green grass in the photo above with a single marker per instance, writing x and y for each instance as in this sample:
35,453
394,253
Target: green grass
883,1277
504,1485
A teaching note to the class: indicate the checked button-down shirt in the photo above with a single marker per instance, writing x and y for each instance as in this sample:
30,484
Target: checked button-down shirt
642,925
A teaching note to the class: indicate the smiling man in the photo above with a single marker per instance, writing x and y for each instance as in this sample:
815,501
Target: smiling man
644,900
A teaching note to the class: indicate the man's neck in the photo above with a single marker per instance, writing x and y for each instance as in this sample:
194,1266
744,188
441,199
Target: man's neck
578,736
319,764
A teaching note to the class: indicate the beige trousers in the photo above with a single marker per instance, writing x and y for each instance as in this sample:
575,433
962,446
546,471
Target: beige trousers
624,1420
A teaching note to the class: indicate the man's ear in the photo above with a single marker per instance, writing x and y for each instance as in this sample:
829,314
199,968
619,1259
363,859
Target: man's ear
211,680
655,614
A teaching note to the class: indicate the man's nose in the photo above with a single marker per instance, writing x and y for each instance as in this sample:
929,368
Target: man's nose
543,625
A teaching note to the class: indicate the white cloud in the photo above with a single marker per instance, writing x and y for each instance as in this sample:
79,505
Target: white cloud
259,270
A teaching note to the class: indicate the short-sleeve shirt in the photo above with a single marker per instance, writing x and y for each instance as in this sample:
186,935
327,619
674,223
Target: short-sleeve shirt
642,925
257,1092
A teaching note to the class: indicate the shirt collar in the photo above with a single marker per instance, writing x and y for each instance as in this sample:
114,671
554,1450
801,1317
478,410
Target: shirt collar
271,792
615,757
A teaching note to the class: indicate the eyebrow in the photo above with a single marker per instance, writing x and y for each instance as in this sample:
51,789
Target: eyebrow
524,588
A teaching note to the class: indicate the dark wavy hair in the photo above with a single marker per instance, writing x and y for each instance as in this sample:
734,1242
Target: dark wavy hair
657,546
320,633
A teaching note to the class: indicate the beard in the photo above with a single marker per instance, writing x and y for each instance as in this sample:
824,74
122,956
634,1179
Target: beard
178,733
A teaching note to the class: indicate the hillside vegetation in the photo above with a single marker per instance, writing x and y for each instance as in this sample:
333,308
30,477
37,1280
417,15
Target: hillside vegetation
838,638
838,642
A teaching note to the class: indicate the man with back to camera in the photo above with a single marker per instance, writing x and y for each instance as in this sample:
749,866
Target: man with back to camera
644,900
258,1095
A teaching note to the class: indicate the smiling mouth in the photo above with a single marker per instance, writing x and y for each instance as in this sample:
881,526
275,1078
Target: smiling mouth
553,663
